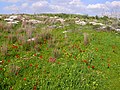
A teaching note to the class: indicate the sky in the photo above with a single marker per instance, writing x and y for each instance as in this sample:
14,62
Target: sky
90,7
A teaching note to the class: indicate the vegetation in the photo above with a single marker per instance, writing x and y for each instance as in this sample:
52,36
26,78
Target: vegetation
84,59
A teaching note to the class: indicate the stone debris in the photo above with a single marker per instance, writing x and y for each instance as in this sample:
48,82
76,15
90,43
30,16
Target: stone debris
32,39
81,22
12,20
94,23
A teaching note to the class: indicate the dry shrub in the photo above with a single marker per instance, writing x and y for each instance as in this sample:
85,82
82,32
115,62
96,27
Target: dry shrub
1,26
43,36
21,39
14,69
86,40
56,53
4,49
37,47
21,30
29,33
46,34
51,42
8,27
38,39
12,38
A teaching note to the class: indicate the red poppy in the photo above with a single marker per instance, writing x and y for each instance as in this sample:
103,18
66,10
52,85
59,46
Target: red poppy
58,62
0,68
41,57
16,73
93,67
75,57
30,64
8,60
88,66
85,61
34,88
17,56
24,66
108,65
2,61
11,88
35,55
52,59
24,79
15,47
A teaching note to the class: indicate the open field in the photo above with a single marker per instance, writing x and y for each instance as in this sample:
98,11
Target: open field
59,52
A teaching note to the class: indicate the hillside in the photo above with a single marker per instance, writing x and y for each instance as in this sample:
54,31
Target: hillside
59,52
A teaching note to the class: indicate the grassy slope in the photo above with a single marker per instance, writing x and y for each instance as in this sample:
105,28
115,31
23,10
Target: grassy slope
69,71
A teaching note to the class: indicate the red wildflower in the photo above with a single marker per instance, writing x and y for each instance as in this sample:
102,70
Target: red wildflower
93,67
24,79
36,65
58,62
85,61
0,68
88,66
15,47
8,60
52,59
35,55
11,88
16,73
30,64
41,57
34,88
108,65
17,56
75,57
2,61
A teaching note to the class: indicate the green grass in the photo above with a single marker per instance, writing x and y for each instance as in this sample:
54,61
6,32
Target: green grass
76,67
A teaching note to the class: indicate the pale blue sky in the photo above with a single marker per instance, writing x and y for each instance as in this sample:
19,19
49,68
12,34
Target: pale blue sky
91,7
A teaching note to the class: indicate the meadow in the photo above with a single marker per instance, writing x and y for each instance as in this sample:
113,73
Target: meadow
57,60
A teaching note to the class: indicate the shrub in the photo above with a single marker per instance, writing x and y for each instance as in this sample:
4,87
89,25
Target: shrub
4,49
56,53
86,41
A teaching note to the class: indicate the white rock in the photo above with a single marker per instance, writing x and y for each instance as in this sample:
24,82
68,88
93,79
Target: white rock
32,39
13,17
13,22
65,31
34,21
117,29
80,22
8,19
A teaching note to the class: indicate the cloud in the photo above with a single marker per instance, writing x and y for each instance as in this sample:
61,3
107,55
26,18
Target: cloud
60,9
12,8
24,5
62,6
13,1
